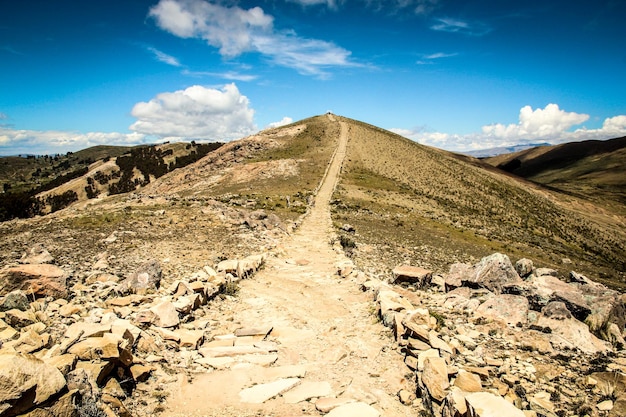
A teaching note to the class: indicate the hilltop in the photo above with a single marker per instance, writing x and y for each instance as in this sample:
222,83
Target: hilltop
327,267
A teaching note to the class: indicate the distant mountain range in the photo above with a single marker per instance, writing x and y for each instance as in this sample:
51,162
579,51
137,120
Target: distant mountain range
489,152
592,169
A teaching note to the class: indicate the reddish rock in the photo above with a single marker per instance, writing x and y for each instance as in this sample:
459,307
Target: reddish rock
40,280
413,275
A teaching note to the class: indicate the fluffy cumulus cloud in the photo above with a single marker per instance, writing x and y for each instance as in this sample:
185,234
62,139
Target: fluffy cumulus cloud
15,141
550,124
235,31
196,112
284,121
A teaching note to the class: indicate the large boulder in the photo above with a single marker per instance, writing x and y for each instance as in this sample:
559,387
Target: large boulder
459,272
41,280
524,267
548,288
26,382
493,272
570,333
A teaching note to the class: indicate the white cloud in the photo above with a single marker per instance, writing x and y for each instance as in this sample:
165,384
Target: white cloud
235,31
431,58
165,58
460,26
196,113
615,124
14,141
3,116
284,121
332,4
419,7
228,75
550,124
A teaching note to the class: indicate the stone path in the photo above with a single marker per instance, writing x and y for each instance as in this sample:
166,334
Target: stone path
303,337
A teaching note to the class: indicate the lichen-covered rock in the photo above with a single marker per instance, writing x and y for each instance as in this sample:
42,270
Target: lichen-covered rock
146,279
524,267
14,300
493,272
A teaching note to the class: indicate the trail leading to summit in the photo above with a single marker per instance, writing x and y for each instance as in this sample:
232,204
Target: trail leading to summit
324,342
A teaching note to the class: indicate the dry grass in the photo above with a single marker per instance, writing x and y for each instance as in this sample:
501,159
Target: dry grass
430,205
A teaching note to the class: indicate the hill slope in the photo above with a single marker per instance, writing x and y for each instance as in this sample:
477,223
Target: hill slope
37,185
591,169
231,298
432,207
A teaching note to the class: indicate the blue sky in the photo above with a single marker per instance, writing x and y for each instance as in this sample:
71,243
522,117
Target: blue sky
459,75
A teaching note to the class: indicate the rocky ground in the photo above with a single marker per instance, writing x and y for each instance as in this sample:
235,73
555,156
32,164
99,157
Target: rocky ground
192,307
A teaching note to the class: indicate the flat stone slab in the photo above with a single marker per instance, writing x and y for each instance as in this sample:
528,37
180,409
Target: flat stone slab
484,404
217,363
412,275
258,394
326,404
263,360
354,409
307,390
286,371
253,331
221,351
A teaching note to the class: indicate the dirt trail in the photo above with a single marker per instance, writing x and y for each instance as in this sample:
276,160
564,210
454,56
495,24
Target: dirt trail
323,331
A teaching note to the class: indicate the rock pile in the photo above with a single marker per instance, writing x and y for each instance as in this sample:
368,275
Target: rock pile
496,339
83,350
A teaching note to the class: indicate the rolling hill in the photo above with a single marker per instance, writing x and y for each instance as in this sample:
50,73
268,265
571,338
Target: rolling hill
216,258
406,202
593,169
35,185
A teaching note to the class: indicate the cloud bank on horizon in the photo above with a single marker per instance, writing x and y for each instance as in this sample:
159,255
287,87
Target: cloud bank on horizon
207,114
550,124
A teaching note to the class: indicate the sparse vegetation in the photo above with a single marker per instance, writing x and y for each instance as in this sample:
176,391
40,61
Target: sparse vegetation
30,184
425,206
